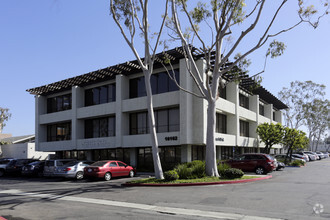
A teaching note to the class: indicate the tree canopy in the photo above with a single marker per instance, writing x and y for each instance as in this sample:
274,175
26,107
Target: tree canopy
4,116
270,134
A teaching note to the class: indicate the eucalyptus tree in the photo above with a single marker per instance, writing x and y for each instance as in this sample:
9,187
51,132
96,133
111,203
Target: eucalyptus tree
270,134
132,19
298,97
4,116
317,121
294,140
226,33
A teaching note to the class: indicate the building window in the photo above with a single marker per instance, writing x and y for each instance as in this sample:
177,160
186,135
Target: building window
170,156
167,120
221,123
59,103
274,118
145,161
160,83
121,154
100,127
261,110
198,152
244,128
59,132
243,101
139,123
100,95
222,92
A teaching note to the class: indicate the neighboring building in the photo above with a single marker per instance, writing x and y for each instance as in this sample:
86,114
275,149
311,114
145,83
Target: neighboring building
103,115
22,147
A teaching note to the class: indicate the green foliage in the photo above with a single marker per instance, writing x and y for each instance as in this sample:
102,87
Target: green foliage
171,175
4,116
233,173
191,170
275,49
294,140
270,134
297,163
222,167
200,12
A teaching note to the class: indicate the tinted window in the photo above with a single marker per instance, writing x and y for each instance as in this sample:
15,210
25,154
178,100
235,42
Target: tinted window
113,164
49,163
121,164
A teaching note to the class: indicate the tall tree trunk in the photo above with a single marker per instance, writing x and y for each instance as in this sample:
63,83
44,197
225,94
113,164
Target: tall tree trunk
211,162
152,126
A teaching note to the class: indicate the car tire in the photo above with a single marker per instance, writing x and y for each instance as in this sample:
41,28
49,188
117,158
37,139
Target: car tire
107,176
79,175
260,171
2,172
131,173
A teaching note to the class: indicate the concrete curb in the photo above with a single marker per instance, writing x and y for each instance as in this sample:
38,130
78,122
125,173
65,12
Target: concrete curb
198,184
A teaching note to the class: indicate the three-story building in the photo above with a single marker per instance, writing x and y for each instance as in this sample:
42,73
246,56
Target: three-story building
103,115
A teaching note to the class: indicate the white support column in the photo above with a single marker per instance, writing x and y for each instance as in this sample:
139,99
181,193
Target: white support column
269,112
233,120
254,106
40,130
77,126
185,153
122,93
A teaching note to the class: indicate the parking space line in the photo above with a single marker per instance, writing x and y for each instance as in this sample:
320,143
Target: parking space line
159,209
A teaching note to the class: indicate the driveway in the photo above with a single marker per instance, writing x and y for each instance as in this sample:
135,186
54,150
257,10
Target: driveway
295,193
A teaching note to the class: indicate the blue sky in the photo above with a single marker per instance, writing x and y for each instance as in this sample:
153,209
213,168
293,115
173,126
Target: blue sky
43,42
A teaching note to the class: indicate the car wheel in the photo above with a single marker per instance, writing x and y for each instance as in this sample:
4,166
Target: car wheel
260,170
79,175
2,172
131,173
107,176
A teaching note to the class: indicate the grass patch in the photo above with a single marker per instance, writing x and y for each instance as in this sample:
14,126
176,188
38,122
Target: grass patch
199,180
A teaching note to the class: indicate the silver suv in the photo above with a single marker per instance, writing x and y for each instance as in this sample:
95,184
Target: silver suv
52,165
73,169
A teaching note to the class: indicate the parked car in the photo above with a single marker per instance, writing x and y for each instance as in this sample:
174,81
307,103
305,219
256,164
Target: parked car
320,154
51,166
34,169
312,153
3,164
311,157
107,169
326,154
300,157
15,166
305,156
73,169
258,163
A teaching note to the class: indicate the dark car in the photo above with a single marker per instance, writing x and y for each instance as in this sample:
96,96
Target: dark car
34,169
3,164
14,167
107,169
258,163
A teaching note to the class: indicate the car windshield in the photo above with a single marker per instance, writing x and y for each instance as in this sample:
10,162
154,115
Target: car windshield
99,163
64,162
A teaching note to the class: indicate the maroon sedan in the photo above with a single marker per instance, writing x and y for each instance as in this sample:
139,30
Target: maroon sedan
259,163
107,169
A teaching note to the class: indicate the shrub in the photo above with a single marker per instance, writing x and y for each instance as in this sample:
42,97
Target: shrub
171,175
191,170
222,167
297,163
233,173
183,171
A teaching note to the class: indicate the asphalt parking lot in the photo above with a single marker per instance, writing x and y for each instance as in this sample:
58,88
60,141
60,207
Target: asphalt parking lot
294,193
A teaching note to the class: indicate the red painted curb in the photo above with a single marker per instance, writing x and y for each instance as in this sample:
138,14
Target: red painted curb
199,184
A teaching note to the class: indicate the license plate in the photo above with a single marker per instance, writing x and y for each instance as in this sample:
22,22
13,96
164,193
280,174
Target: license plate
89,170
